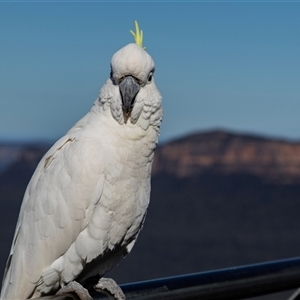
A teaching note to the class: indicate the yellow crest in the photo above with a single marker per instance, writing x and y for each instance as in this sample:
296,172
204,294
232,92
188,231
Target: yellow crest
138,35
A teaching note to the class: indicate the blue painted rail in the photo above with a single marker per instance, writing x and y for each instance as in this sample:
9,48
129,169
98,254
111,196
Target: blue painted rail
231,283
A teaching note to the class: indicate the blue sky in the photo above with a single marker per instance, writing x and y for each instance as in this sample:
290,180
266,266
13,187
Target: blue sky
232,65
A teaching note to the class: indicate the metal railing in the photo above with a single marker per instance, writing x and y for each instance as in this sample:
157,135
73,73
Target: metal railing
231,283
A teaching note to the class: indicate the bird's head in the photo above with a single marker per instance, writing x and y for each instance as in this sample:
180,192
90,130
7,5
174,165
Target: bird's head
132,68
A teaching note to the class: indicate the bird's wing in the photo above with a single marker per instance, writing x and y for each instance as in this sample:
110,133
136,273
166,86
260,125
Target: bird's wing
57,205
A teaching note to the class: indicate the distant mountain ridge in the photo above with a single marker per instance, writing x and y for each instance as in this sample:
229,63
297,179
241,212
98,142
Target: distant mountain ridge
228,153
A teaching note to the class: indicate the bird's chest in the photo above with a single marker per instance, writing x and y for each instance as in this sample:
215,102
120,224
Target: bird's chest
126,159
126,196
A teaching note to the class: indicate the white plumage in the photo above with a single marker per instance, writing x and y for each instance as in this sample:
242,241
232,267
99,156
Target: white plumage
86,201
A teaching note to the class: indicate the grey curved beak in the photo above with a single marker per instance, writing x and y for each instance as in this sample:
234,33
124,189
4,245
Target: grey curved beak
128,89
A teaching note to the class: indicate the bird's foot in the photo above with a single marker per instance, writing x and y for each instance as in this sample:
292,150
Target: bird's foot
108,284
75,287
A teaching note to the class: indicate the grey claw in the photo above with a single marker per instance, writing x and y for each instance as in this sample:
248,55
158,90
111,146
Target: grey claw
75,287
112,287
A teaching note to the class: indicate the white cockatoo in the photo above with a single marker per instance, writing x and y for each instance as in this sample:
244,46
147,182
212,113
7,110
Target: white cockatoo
87,199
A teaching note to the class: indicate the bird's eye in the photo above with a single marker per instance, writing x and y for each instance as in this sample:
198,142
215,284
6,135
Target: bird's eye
150,76
112,77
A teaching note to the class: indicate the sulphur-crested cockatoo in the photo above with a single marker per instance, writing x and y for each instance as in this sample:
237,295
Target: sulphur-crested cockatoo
86,201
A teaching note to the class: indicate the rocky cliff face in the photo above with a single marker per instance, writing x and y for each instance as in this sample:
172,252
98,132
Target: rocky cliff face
227,153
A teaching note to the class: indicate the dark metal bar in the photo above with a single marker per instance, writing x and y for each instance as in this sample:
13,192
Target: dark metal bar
231,283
